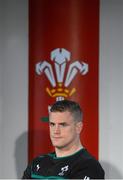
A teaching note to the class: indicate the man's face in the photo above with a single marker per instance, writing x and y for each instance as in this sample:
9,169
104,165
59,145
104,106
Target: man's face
64,131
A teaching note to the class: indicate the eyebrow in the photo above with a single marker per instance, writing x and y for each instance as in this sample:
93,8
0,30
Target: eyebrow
61,123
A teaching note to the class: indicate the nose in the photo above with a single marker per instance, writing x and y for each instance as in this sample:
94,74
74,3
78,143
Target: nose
57,129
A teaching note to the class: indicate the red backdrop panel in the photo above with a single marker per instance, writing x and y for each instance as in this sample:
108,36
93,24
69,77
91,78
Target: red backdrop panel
63,63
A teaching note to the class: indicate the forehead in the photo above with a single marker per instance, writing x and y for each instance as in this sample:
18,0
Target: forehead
60,116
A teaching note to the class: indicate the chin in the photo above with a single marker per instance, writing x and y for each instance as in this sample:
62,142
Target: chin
59,146
56,145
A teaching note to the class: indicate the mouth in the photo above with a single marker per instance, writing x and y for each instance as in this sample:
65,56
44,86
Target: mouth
56,138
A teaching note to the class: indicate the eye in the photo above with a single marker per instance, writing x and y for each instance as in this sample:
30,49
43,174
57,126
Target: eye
51,124
63,124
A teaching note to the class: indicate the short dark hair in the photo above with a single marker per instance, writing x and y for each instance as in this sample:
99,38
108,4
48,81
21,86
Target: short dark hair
70,106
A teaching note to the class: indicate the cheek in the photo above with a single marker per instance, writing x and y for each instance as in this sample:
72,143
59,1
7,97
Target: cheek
72,131
50,130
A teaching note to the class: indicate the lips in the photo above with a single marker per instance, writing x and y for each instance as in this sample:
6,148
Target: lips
56,138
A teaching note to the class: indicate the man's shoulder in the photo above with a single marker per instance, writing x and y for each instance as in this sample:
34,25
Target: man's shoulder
89,160
43,157
85,155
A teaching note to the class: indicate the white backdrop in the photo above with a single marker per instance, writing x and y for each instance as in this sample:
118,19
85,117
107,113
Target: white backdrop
111,87
14,87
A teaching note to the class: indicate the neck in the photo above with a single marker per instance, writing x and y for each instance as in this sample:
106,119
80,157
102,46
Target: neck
67,151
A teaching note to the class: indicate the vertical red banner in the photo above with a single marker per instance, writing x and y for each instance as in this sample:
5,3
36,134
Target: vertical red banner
63,63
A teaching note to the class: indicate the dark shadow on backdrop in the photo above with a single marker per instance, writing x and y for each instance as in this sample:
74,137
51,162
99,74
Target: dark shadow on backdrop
21,157
111,171
21,149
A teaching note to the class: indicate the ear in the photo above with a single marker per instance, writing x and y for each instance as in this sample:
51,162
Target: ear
79,126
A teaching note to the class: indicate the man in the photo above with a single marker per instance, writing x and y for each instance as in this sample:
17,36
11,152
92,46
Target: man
70,159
